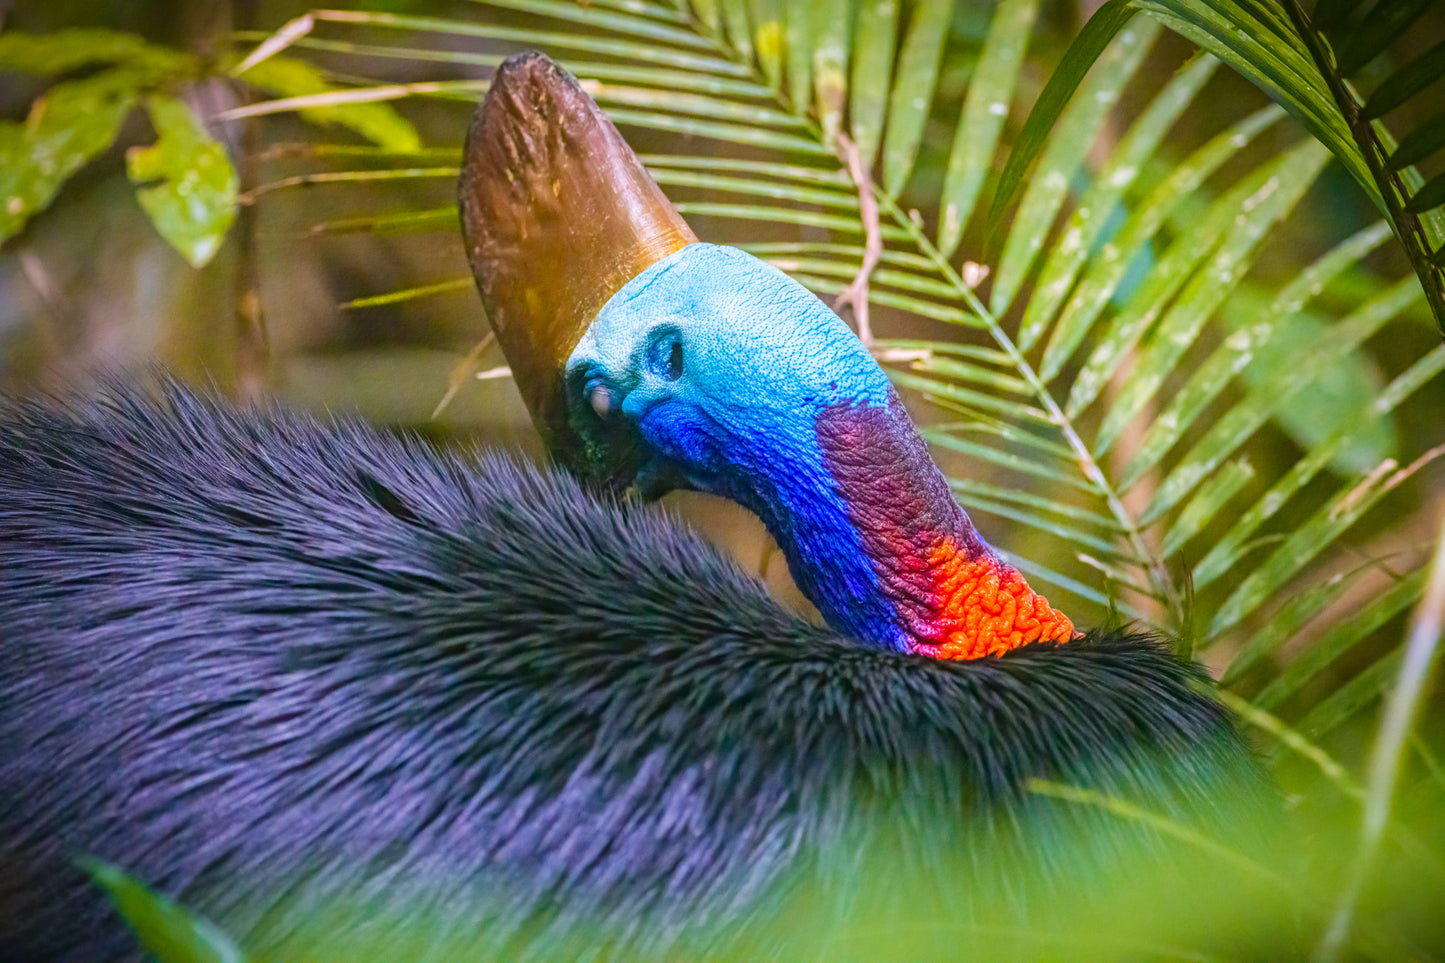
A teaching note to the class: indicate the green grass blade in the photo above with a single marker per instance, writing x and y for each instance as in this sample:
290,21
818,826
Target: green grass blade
913,89
1209,287
831,22
1285,624
1108,186
1086,48
832,177
969,488
939,388
591,17
1046,468
639,51
875,39
1341,639
1212,496
410,294
768,39
717,130
1406,82
1240,348
798,49
1108,267
751,187
984,108
165,929
1063,155
1236,425
740,29
1302,545
1234,545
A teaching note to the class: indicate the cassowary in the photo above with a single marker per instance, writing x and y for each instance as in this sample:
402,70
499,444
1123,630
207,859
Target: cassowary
315,680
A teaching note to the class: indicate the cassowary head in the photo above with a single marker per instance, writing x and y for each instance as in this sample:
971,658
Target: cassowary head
652,361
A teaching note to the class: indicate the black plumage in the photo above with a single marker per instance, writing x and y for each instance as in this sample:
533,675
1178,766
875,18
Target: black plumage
266,663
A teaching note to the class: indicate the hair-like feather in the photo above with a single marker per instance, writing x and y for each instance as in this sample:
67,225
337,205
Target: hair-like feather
264,663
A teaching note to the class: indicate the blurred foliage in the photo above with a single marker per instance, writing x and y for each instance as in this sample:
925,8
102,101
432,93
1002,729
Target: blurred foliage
1169,344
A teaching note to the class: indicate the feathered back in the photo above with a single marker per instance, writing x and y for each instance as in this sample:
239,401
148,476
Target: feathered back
272,666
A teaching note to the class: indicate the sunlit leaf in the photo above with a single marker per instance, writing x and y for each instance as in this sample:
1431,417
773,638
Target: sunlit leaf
72,123
195,202
168,931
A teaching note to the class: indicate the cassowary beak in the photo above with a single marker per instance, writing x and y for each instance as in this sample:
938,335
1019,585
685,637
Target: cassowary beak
557,215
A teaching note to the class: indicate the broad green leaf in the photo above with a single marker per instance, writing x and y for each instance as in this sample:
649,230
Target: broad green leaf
1092,217
875,38
63,51
195,202
74,121
168,931
1108,267
377,122
1234,545
1208,288
913,88
984,108
1076,132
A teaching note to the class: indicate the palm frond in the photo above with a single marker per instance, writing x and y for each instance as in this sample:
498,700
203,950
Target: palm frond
1092,392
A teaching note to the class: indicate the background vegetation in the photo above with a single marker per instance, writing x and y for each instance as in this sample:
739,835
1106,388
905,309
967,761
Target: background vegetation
1175,334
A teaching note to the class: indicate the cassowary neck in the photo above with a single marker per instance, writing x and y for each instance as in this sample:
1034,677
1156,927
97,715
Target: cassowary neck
897,561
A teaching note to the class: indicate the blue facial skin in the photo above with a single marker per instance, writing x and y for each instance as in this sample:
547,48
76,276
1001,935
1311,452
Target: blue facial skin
723,362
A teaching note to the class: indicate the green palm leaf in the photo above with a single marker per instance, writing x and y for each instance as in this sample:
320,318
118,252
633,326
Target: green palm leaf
1095,396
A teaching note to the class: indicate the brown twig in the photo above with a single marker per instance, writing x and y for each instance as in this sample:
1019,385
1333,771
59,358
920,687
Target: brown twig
855,295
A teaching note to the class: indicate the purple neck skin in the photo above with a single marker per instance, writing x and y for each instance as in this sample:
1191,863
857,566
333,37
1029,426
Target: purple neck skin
949,592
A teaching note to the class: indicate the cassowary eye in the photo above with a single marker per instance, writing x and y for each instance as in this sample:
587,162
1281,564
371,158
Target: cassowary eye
664,355
674,361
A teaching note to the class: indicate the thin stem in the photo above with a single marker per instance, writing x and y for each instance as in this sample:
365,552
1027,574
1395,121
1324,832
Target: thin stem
1403,705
